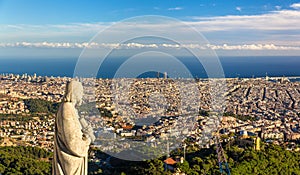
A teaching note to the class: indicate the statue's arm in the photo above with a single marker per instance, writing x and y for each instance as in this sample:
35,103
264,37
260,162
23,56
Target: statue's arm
87,129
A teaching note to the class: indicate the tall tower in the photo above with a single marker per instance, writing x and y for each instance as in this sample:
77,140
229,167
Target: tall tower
168,149
267,77
257,144
165,75
223,165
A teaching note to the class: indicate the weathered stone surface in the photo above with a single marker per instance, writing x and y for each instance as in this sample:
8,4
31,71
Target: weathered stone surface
71,142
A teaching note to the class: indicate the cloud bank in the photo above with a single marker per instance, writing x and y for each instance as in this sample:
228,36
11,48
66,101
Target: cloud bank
295,6
275,20
94,45
277,30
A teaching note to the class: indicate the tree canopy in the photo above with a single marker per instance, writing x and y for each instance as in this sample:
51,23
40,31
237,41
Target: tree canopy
40,106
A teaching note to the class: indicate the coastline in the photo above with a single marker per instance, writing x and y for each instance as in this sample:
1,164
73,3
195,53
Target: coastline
233,67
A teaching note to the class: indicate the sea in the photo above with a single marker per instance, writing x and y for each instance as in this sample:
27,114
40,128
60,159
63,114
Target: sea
242,66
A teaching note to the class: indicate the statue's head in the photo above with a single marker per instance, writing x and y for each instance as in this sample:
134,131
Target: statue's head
74,93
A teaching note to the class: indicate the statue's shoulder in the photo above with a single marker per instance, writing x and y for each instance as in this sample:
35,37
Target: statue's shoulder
68,110
65,105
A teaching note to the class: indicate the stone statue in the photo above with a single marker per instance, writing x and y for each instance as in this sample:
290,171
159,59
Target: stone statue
73,135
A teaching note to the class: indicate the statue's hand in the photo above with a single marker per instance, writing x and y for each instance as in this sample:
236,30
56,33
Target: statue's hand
89,132
85,137
92,136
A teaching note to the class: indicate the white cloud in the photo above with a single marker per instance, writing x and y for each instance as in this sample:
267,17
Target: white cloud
277,7
151,45
238,9
295,6
275,20
175,8
252,47
280,28
46,45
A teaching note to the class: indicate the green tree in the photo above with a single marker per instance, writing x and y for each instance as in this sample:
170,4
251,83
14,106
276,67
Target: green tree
184,167
40,106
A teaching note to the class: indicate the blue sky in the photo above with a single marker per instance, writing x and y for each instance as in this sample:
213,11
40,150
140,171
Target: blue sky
62,12
233,27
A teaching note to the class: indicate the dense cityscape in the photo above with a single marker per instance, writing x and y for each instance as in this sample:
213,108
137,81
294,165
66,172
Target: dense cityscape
266,108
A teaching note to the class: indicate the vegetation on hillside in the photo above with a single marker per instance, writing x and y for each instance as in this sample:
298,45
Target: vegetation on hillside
40,106
24,160
272,159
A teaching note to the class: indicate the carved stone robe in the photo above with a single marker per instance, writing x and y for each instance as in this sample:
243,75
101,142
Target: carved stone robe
71,145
